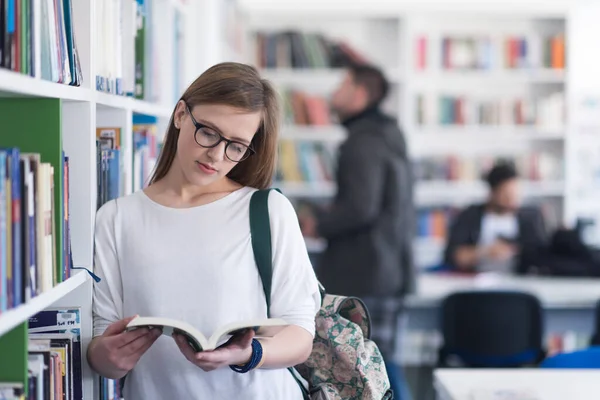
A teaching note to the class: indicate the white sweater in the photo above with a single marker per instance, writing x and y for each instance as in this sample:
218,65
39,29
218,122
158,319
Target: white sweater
197,265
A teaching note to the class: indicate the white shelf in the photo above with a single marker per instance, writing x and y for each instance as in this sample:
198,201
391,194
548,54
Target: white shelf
434,133
144,107
13,84
429,192
315,77
129,103
20,314
112,101
305,189
457,192
547,75
333,133
20,85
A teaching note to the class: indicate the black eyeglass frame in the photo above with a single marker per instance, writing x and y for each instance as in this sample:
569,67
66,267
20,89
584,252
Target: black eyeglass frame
249,150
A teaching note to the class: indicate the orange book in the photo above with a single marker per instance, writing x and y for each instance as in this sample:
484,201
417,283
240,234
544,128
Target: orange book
558,52
299,107
438,222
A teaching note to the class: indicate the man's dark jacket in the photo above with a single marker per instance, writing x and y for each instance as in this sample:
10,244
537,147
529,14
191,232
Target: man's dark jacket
370,226
532,238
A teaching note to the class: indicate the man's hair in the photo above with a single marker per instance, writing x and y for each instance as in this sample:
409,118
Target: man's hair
373,79
499,174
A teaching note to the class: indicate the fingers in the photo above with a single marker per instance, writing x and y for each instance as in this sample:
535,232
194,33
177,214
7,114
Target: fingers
185,348
245,340
142,343
211,360
125,338
117,327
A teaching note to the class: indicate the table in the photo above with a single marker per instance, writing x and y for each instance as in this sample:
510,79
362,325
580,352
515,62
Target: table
516,384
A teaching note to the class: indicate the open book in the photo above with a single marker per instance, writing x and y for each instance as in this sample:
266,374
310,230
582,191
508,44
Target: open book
262,328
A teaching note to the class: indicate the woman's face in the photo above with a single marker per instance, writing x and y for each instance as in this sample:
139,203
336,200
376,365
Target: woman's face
201,165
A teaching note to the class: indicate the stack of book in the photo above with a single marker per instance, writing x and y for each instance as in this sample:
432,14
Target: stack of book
546,112
305,161
487,52
28,234
37,38
301,108
294,49
535,166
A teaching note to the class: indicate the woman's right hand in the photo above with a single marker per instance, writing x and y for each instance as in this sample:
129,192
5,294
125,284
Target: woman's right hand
117,351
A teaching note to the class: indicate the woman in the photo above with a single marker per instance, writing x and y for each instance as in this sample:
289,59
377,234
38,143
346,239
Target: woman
181,249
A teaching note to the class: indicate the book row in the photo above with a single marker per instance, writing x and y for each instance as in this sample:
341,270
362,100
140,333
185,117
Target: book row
534,166
126,45
302,108
434,222
37,39
486,52
54,358
28,233
109,158
546,112
295,49
305,162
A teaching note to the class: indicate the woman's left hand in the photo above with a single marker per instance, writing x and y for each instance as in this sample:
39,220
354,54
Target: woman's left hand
237,351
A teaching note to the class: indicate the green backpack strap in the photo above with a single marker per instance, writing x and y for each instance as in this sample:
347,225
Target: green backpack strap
260,232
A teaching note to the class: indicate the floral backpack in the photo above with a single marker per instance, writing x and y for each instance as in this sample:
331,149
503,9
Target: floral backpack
344,363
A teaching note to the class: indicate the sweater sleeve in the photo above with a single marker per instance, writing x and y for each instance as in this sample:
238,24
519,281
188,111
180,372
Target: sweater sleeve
108,293
295,293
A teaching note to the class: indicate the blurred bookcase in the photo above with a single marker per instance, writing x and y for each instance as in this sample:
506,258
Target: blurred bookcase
469,87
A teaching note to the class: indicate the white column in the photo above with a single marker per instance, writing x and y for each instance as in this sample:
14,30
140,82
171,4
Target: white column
582,159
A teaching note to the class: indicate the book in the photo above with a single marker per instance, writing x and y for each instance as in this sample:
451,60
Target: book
262,328
63,323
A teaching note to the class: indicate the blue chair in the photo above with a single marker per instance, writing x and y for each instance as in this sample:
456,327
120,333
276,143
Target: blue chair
595,339
491,329
583,359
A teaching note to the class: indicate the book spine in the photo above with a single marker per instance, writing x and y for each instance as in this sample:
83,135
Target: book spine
16,228
3,248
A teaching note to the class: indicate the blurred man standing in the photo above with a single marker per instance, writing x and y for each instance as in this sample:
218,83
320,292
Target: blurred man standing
369,227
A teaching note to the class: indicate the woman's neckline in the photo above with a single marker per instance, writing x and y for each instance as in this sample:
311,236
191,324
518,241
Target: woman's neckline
229,196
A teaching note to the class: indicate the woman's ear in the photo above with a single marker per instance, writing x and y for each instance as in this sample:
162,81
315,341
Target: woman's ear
179,114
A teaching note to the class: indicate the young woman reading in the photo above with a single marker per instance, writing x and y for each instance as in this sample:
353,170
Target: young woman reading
181,249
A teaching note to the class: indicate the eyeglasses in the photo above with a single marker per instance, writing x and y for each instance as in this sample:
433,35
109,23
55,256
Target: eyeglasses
207,137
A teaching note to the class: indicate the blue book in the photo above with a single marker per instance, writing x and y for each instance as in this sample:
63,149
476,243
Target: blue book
114,174
3,243
17,267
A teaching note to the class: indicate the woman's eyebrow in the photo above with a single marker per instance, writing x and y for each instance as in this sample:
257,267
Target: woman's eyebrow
216,128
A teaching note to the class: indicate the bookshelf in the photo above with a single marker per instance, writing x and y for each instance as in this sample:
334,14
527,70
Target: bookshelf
41,116
500,71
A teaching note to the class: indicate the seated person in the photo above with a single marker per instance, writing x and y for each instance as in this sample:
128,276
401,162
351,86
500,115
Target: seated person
499,235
